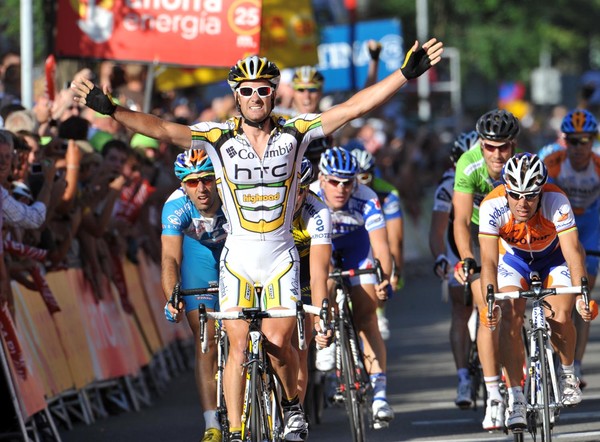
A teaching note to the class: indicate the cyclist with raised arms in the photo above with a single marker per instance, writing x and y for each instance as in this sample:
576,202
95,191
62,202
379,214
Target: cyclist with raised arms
257,162
527,225
576,170
389,199
443,247
477,171
312,236
192,238
359,236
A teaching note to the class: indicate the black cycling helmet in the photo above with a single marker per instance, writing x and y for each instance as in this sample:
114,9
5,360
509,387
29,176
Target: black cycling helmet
498,125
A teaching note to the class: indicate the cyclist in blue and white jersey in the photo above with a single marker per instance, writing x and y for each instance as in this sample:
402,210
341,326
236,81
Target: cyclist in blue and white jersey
389,198
576,170
359,236
443,247
312,236
192,238
257,162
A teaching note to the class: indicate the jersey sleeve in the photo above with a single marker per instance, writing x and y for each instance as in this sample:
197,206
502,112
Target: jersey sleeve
319,223
175,218
371,211
560,212
392,208
442,198
489,217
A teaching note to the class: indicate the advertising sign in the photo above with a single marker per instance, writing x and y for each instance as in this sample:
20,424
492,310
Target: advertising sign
212,33
337,56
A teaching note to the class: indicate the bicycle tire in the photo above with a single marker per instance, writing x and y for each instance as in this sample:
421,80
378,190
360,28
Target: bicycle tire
221,405
546,432
478,390
254,425
352,399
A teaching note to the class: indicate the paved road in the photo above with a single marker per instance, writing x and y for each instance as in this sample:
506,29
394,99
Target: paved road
421,380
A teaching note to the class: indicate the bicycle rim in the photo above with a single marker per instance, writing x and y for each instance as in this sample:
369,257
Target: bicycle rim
545,388
352,398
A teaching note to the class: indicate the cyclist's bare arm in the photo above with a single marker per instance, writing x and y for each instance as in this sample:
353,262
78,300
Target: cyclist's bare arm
463,210
320,257
147,124
170,264
395,233
381,251
437,232
370,98
573,254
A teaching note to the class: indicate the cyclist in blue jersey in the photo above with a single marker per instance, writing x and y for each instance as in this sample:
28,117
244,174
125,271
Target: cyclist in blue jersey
257,161
359,236
192,240
443,247
389,199
576,170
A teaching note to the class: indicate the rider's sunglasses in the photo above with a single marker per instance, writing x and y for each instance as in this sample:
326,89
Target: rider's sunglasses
578,141
193,182
336,182
364,178
309,89
262,91
502,147
529,196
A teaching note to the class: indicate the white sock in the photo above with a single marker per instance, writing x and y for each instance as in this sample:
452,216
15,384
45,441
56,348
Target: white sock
568,369
210,419
515,394
379,383
491,385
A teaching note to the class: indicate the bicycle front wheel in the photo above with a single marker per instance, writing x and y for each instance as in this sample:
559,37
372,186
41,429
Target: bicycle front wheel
544,387
350,386
255,418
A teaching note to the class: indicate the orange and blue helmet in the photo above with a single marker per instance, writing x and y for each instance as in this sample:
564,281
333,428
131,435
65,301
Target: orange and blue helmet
579,121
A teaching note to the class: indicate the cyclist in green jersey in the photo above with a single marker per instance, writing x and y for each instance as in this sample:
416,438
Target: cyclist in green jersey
477,170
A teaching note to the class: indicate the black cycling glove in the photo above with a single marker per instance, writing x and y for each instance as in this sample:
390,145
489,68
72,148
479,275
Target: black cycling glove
100,102
415,63
374,52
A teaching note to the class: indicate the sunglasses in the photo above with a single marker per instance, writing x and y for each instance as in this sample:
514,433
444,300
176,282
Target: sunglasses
309,89
502,147
577,141
364,178
529,196
262,91
193,182
339,182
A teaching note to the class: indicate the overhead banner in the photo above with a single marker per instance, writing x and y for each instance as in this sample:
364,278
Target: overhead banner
212,33
337,56
289,37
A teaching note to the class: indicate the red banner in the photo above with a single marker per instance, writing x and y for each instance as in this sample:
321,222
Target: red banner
213,33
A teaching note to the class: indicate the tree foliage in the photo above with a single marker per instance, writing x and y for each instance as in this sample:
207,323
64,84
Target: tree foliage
10,26
503,39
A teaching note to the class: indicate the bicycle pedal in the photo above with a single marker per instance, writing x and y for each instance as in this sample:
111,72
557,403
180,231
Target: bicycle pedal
338,398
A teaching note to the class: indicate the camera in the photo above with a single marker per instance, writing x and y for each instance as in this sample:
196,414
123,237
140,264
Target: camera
35,169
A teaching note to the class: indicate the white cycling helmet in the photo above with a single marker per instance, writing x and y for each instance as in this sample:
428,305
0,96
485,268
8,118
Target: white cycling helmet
524,173
366,162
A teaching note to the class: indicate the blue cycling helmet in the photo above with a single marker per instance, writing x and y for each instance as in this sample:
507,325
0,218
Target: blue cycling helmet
306,172
193,161
579,121
338,162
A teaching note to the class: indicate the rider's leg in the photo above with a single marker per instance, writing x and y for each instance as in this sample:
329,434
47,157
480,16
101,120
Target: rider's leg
303,357
233,379
512,350
460,340
364,304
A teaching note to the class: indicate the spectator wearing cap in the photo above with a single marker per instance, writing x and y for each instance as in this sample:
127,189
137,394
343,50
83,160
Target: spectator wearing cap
148,146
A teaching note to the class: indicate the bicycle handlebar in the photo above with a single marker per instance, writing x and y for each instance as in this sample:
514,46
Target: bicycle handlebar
254,313
468,264
199,291
377,270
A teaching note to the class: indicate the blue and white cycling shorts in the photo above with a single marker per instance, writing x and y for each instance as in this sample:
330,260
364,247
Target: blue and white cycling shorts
273,263
588,229
356,251
514,272
199,269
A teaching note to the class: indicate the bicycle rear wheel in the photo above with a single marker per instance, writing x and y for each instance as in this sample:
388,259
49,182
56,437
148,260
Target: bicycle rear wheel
353,399
544,377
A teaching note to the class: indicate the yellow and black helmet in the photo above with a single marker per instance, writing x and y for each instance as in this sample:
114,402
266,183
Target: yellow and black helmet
307,77
253,68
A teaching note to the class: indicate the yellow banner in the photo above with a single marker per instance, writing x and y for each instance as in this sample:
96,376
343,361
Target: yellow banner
289,37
